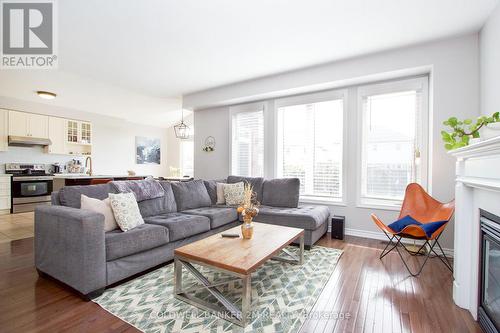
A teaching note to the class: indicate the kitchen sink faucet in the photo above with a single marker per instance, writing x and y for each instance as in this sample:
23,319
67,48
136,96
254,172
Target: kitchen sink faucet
88,161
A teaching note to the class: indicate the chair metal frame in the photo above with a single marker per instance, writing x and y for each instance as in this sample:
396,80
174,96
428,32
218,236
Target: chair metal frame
431,250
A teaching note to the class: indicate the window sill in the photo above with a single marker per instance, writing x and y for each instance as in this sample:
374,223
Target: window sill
323,201
388,207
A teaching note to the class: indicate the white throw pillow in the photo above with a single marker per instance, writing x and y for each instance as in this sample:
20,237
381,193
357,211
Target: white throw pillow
126,210
234,193
100,206
220,194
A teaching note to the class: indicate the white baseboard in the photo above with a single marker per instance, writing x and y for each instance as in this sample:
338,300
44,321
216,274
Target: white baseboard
380,236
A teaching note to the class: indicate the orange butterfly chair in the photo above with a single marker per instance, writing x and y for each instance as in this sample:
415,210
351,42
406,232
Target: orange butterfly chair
425,209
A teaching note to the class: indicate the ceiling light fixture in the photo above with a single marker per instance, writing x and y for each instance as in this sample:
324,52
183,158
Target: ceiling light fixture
181,129
45,94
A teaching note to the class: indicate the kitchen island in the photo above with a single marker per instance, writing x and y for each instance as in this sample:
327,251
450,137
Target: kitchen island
71,179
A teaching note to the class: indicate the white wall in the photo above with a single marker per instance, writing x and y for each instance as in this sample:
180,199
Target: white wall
213,122
113,149
453,65
490,64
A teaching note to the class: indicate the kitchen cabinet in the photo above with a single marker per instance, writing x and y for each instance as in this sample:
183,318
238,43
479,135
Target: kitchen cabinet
68,136
38,125
5,201
28,124
72,129
85,133
79,132
78,137
18,123
57,135
4,129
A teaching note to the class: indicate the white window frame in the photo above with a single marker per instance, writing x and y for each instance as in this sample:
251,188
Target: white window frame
315,98
181,153
249,107
416,83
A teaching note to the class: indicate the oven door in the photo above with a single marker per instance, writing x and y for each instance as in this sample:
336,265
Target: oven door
31,188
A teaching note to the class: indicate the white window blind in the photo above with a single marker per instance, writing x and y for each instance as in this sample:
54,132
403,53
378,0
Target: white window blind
310,137
247,145
187,158
391,142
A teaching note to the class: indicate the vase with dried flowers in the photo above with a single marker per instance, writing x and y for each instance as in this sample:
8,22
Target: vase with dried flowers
249,208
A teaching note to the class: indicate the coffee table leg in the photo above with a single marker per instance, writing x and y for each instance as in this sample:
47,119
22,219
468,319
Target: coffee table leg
301,254
246,298
177,276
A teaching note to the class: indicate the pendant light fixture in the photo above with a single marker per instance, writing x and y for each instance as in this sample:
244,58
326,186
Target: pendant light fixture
182,130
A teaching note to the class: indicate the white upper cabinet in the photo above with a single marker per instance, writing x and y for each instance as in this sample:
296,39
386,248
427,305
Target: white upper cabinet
4,129
28,124
57,135
38,126
72,129
18,123
68,136
85,133
79,132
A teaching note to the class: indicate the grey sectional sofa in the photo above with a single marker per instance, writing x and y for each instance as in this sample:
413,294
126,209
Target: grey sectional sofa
72,247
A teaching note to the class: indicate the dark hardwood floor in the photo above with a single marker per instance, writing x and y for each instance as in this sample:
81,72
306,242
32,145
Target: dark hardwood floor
373,296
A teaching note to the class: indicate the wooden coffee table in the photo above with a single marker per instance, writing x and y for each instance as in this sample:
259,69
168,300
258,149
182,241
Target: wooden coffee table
237,257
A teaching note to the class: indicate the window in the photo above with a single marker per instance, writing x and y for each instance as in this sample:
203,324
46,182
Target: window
187,157
309,144
247,144
392,145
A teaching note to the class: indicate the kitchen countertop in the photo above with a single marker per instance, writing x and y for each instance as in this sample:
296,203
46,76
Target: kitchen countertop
85,176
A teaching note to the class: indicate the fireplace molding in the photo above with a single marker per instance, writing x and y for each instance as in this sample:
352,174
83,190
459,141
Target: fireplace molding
477,187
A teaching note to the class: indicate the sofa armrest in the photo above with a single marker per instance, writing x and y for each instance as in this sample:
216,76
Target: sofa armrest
70,246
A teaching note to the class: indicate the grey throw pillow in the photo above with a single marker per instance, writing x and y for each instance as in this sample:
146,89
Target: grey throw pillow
281,192
190,195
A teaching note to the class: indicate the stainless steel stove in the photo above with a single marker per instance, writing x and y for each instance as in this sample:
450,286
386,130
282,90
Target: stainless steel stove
31,186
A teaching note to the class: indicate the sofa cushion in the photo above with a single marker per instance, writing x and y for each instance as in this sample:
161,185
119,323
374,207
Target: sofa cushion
218,216
191,194
144,237
281,192
161,205
180,225
303,217
256,182
70,196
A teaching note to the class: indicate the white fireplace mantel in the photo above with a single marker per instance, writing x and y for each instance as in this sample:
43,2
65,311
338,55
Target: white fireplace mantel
477,187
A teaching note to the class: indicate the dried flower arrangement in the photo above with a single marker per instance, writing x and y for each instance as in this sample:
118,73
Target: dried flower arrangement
249,208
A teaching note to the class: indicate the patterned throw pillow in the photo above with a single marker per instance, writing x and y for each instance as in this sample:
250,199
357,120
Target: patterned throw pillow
233,193
126,210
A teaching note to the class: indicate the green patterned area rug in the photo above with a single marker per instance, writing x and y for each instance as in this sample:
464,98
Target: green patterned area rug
282,296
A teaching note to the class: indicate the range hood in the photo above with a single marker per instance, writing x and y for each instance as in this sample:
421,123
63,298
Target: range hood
28,141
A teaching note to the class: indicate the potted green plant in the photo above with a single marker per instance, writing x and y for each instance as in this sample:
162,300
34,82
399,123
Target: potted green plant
465,130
